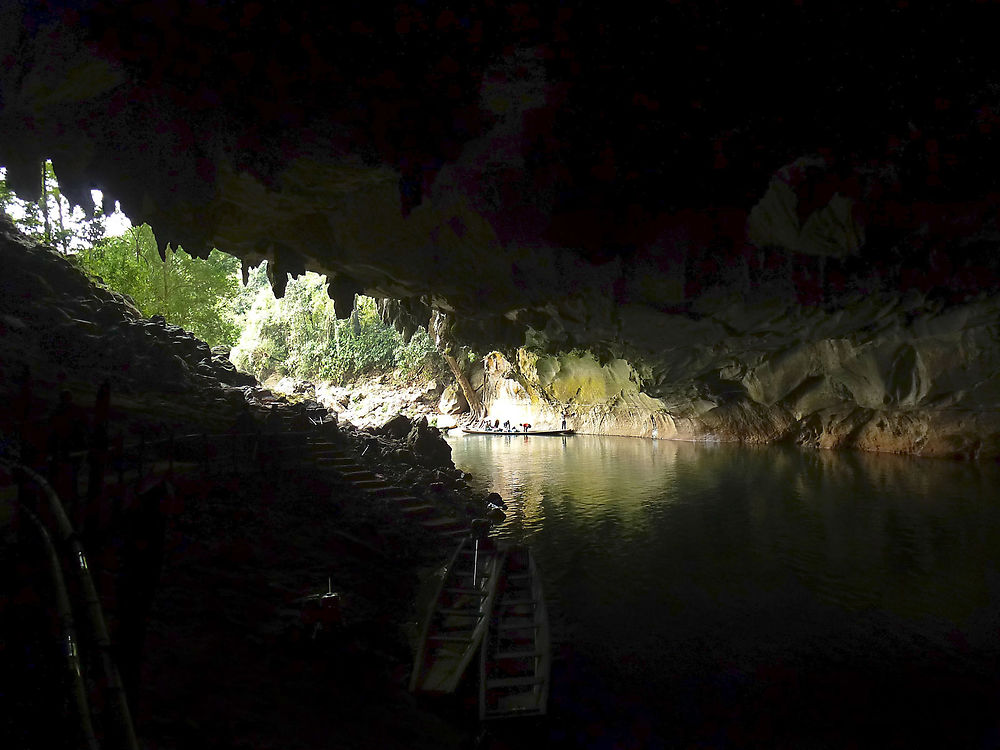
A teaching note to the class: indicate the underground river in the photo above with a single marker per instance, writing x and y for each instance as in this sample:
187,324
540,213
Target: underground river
714,595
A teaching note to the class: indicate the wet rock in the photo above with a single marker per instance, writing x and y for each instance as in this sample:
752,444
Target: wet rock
494,499
496,515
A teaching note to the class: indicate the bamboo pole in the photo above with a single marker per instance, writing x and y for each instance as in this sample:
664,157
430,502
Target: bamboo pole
116,699
69,638
45,205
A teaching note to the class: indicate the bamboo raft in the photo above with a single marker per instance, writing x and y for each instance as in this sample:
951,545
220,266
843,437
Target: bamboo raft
509,433
515,659
457,618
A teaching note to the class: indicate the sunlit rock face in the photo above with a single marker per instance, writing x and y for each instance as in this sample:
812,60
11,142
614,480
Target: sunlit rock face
900,374
777,227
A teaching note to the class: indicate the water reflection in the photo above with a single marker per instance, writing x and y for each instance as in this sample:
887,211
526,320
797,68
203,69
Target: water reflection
731,570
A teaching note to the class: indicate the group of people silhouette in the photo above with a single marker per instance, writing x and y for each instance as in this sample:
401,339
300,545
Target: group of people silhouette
487,426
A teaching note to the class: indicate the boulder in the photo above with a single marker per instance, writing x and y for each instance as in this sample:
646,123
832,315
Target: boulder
494,499
397,428
453,401
429,446
431,392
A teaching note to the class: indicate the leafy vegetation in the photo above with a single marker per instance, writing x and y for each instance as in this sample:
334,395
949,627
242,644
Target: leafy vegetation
52,219
190,292
298,335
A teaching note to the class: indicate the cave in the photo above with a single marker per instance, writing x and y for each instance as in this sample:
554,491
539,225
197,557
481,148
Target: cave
765,226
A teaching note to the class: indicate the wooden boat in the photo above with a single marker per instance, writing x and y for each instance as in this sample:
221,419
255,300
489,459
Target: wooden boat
515,659
508,433
457,617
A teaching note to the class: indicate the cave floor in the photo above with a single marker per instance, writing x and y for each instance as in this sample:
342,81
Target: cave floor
228,660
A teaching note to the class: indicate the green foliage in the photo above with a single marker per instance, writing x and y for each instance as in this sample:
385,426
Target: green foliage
51,220
300,335
192,293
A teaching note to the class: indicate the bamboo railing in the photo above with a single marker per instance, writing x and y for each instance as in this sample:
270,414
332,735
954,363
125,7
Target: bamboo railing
69,539
203,455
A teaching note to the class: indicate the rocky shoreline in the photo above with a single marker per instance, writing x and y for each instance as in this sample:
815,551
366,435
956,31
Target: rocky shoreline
202,580
243,561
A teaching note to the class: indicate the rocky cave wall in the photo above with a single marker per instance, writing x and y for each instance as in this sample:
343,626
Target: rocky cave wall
60,331
901,374
795,240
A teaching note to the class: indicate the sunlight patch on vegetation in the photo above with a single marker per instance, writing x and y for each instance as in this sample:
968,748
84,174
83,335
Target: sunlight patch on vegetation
189,292
300,336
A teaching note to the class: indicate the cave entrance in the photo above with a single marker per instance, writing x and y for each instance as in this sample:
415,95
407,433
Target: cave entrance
357,364
352,355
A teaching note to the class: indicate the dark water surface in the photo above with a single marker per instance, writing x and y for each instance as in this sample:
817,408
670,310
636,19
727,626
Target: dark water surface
708,595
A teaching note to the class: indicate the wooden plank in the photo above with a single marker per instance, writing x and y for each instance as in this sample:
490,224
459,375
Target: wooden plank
517,654
514,682
517,626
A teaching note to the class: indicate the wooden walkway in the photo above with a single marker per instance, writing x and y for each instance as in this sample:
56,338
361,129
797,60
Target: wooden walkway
347,465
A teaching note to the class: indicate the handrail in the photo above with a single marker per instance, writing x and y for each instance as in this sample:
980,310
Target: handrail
68,537
70,640
193,436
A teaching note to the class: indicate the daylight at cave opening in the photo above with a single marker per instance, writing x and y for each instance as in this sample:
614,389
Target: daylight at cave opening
536,374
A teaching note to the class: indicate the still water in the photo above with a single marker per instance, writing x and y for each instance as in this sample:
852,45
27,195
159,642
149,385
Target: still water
708,595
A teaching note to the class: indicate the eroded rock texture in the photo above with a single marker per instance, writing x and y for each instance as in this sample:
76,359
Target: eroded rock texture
59,331
899,374
782,220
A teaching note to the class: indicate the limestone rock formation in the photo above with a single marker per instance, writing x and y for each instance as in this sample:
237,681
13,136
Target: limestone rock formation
452,401
896,374
674,247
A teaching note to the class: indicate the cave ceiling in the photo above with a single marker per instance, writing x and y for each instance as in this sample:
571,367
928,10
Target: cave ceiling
523,164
